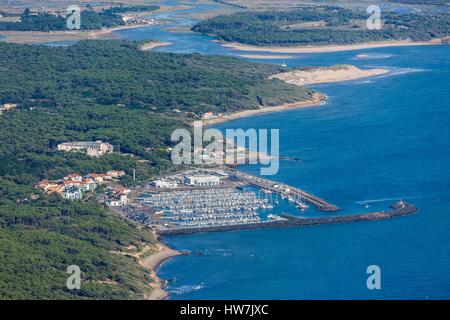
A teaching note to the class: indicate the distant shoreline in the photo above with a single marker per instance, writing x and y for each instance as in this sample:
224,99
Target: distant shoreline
329,48
106,31
266,56
23,37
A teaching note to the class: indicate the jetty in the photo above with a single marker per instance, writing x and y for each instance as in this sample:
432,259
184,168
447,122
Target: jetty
398,209
285,191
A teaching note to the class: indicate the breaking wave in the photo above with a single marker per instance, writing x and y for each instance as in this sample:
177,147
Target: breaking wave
363,202
368,56
186,289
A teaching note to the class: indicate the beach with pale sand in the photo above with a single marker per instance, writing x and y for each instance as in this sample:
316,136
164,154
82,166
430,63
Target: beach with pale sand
329,48
152,262
317,99
154,44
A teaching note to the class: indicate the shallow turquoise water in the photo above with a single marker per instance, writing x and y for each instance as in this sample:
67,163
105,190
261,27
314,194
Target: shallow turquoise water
377,139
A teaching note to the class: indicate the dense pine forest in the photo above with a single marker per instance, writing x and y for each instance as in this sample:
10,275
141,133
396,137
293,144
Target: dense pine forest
321,25
112,91
40,238
99,90
117,73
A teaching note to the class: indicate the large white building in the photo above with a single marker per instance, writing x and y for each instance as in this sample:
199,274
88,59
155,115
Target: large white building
92,148
201,180
161,183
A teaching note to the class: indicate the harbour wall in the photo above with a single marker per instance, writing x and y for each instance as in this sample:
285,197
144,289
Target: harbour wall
292,221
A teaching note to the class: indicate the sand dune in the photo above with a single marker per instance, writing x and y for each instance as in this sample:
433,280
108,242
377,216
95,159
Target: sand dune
336,73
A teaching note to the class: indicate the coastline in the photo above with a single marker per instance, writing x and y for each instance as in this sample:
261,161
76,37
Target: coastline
317,99
155,260
152,263
328,48
24,37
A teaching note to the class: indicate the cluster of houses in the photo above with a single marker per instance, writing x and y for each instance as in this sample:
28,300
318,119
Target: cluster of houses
7,106
74,185
116,197
130,19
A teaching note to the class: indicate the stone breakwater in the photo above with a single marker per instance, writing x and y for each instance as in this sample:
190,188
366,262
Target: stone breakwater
397,210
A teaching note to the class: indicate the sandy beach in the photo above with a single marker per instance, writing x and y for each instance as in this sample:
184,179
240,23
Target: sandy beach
154,44
152,262
336,73
329,48
317,99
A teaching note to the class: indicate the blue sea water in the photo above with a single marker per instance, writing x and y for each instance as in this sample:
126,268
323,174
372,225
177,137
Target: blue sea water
375,140
383,138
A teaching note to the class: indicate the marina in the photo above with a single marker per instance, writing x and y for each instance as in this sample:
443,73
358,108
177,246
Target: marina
226,199
293,194
200,208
